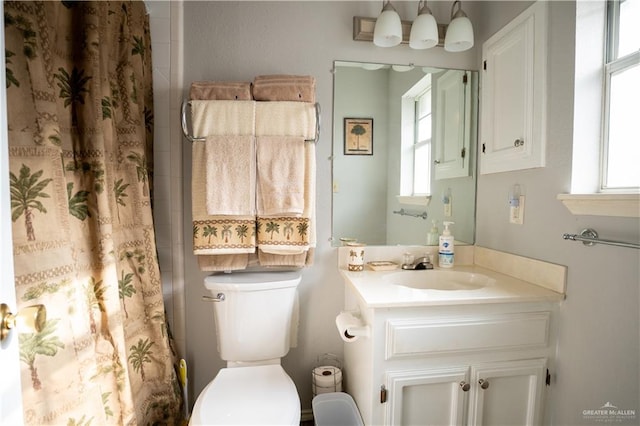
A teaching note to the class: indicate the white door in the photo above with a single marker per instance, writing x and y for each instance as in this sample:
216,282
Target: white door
507,393
11,395
433,396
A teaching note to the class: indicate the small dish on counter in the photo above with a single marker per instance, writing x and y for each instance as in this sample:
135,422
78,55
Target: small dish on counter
382,265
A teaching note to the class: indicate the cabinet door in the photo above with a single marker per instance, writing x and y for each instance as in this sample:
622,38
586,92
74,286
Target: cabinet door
427,397
452,124
513,117
507,393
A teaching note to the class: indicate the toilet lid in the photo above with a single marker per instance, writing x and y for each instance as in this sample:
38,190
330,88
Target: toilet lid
257,395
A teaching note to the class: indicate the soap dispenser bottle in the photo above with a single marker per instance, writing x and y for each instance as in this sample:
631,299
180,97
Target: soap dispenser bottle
445,249
433,235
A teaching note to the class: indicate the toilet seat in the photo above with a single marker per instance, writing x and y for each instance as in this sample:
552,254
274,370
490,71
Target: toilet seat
254,395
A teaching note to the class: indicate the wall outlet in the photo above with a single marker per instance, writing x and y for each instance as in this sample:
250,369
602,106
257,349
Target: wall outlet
516,213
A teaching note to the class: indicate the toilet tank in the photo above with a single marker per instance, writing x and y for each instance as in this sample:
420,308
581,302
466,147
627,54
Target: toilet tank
254,321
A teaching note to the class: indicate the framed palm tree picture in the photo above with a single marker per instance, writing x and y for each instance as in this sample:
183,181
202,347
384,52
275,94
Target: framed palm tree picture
358,136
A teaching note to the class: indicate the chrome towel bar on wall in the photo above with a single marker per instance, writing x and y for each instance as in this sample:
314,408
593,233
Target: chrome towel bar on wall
589,237
185,128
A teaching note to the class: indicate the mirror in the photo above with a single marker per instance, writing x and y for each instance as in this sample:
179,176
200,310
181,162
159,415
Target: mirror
388,189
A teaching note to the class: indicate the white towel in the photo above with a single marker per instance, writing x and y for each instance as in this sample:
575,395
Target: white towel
286,119
216,118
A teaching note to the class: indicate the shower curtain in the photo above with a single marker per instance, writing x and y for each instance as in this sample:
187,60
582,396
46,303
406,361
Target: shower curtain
80,114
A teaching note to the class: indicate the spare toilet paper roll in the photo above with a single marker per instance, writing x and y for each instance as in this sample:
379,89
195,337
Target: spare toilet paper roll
350,327
327,378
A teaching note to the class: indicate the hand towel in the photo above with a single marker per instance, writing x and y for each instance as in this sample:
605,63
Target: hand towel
216,234
221,90
284,88
228,127
280,175
230,175
285,119
274,249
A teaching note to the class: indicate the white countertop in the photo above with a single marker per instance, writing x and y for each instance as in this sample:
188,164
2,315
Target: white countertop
377,293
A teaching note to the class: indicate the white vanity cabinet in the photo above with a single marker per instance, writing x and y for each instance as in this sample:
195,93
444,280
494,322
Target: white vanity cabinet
513,94
470,364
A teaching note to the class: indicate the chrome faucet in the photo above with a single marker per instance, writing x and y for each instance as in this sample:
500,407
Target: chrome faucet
420,263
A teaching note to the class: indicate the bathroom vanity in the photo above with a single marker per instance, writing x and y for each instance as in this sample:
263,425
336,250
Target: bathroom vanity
467,345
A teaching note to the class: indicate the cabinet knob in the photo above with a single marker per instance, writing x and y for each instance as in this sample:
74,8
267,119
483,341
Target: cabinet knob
484,384
465,386
518,142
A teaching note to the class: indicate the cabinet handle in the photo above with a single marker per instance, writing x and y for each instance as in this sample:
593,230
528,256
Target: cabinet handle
518,142
465,386
484,384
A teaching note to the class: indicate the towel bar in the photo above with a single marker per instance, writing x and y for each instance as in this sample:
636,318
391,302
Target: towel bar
187,135
403,212
589,237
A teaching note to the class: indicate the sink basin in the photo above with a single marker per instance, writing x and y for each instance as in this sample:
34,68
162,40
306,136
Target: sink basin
439,280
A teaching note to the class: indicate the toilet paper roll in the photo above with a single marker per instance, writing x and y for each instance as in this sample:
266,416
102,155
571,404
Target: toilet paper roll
350,327
327,378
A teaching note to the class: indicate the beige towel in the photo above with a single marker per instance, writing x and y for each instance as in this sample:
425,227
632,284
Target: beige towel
216,234
230,173
286,119
217,118
288,240
223,262
279,87
280,176
221,90
228,127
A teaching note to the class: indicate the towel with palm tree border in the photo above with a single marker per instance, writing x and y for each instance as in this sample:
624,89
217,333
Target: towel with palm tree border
224,235
285,234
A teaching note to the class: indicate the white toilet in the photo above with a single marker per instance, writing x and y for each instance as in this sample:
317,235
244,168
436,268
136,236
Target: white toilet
254,326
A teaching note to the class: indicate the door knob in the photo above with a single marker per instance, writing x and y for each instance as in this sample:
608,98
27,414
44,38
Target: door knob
30,319
465,386
484,384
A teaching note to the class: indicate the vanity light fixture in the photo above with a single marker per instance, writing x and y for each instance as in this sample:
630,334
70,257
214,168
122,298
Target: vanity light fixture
423,33
459,32
424,30
388,28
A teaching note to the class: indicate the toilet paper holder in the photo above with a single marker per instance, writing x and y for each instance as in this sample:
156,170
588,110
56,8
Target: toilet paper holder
351,326
327,374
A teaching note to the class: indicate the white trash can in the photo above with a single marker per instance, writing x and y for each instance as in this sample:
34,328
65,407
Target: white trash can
335,409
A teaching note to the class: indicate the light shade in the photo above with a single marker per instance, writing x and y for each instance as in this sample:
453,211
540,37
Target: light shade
459,35
388,29
424,30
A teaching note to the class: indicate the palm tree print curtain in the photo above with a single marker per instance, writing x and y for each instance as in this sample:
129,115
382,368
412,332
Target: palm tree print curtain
80,145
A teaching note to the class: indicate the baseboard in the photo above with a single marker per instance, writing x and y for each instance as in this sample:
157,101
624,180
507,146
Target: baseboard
306,415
